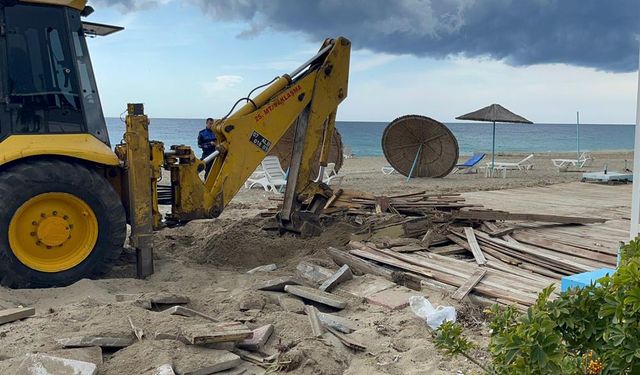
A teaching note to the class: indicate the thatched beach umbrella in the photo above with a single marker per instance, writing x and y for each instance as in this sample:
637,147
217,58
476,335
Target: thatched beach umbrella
494,113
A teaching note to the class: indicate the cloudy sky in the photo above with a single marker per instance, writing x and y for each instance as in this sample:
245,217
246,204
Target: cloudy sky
544,59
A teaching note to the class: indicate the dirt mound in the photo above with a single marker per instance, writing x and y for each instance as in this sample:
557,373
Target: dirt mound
243,244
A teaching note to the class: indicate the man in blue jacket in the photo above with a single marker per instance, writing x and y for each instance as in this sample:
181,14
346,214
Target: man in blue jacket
207,142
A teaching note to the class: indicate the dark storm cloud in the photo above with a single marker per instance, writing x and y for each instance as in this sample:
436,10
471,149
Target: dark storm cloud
601,34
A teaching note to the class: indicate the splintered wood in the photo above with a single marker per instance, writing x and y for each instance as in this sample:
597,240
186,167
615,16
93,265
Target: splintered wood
439,239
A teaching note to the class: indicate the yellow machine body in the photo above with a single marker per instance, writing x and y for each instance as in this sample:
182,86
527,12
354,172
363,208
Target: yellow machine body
78,146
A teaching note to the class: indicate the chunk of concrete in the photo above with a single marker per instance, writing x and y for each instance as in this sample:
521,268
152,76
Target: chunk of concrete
42,364
338,323
101,341
260,337
11,315
277,285
316,296
342,275
392,299
205,362
164,370
290,303
265,268
364,286
312,272
252,301
92,354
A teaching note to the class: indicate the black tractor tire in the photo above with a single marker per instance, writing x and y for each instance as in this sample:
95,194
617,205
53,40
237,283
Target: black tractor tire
28,179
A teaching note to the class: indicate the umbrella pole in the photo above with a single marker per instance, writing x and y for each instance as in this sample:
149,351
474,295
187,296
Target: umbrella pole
493,152
578,136
415,161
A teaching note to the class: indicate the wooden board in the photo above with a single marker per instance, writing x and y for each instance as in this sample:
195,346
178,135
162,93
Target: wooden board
469,284
475,248
11,315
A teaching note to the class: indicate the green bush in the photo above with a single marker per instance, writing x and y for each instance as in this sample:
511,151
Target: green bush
593,330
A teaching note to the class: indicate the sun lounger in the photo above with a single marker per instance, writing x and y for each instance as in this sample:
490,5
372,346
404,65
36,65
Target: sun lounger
387,169
330,175
584,160
271,177
501,166
469,165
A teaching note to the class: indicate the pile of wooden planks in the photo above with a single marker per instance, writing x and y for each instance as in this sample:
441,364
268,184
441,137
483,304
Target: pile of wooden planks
443,241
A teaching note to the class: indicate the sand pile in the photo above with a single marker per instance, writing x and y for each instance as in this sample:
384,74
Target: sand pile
243,244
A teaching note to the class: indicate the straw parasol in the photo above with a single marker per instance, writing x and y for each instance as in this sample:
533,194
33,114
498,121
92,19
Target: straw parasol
494,113
419,146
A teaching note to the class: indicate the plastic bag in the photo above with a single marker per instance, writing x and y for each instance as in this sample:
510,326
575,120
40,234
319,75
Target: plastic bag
433,316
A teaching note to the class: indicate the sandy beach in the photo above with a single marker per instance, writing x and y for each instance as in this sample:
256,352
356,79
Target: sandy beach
207,261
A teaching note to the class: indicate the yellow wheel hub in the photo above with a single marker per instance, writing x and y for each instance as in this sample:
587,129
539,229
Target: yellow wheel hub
53,232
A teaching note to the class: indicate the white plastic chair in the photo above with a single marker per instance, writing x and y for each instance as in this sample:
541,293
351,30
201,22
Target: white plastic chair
271,178
330,175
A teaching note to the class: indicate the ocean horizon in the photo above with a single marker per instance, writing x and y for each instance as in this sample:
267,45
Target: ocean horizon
363,138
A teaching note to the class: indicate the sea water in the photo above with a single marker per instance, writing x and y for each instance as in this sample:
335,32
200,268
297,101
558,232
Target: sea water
364,138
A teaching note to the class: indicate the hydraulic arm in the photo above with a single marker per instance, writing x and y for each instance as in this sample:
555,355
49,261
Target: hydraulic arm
308,99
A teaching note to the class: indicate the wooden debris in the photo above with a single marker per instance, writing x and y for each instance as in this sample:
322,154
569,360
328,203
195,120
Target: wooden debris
358,265
138,332
342,275
258,340
508,216
101,341
347,341
11,315
338,323
312,272
278,284
316,326
185,311
316,296
438,240
202,334
469,284
475,248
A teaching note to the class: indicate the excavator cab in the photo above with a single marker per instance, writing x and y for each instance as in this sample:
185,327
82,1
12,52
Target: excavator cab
47,85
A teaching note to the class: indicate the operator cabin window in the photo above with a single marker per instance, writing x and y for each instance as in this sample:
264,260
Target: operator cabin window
42,84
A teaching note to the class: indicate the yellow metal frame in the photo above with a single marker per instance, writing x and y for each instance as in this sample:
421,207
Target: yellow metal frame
316,92
78,146
53,232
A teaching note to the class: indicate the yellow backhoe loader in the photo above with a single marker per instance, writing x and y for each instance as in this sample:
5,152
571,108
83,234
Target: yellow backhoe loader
67,196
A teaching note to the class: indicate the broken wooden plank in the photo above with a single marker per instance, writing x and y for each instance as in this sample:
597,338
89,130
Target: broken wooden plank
312,314
475,248
202,334
347,341
101,341
316,296
185,311
11,315
258,340
358,265
469,284
509,216
333,198
342,275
